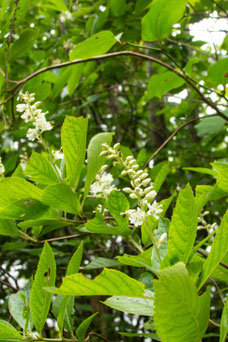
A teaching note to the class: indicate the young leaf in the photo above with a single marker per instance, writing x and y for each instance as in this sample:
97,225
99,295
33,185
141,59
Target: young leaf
96,45
218,251
60,196
81,330
162,83
75,261
206,193
40,170
40,300
117,204
158,22
135,306
182,229
108,283
224,324
94,160
180,314
73,137
8,332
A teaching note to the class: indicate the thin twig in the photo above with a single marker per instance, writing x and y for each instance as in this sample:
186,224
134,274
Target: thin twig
200,251
97,335
124,53
177,130
10,275
219,291
8,285
61,238
214,323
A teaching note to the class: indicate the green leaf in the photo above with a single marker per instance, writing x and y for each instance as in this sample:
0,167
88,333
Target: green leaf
16,188
217,72
202,170
75,261
97,226
135,306
60,196
141,260
73,137
59,5
209,126
96,45
158,22
162,83
21,46
180,314
182,231
150,335
224,324
40,170
118,7
19,307
161,176
81,330
74,78
8,228
65,75
117,204
206,193
218,251
40,300
101,263
8,332
108,283
94,160
222,178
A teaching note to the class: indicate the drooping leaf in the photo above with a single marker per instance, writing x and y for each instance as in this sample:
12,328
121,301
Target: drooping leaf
182,231
218,251
94,160
206,193
162,83
8,332
73,137
81,330
135,306
117,204
60,196
202,170
224,324
40,300
158,22
209,126
96,45
75,261
40,170
180,314
108,283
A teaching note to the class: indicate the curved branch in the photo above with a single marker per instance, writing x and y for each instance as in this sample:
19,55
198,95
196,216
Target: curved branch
116,54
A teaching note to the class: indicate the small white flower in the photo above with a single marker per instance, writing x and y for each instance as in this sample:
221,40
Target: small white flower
57,155
136,217
26,116
154,209
32,134
42,125
21,107
102,186
2,168
64,16
163,238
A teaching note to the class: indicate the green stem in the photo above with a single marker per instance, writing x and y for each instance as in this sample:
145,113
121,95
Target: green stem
136,245
153,240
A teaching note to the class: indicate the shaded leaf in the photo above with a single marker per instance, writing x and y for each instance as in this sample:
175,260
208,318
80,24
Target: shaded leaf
135,306
81,330
162,83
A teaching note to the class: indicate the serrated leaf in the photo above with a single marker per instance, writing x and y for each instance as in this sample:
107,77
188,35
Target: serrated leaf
75,261
224,324
81,330
16,188
158,22
183,226
96,45
222,178
73,137
101,263
40,170
8,332
180,314
40,300
162,83
108,283
60,196
117,204
135,306
94,160
161,176
218,251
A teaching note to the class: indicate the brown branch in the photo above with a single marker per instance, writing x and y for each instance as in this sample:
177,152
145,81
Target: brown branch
200,251
61,238
88,338
8,285
177,130
123,53
214,323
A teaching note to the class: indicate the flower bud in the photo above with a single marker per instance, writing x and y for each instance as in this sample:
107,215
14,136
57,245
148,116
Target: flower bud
163,238
149,189
116,146
135,167
103,168
133,195
146,181
132,162
137,181
130,172
144,175
111,156
129,158
103,153
127,190
151,195
124,173
139,173
105,146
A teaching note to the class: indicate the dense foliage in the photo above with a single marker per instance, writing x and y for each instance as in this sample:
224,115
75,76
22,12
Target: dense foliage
113,171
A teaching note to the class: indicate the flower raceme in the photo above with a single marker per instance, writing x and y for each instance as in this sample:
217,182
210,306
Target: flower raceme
103,184
32,114
141,186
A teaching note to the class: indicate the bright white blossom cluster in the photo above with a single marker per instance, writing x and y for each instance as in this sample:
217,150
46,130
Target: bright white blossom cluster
65,16
2,168
103,184
57,155
32,114
204,225
141,186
